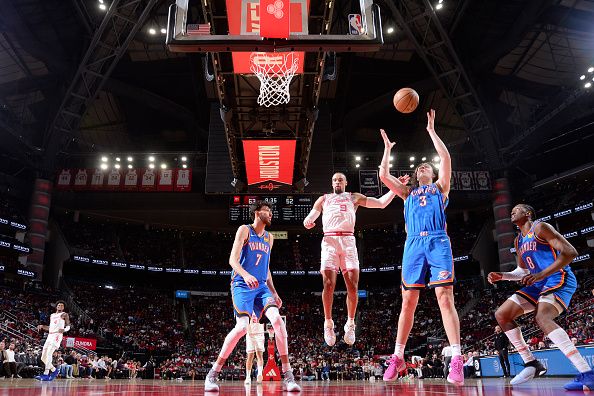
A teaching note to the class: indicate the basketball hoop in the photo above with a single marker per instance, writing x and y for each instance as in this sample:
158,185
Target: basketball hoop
275,72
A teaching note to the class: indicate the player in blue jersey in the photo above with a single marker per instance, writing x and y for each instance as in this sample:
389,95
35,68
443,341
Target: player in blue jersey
253,291
427,250
543,257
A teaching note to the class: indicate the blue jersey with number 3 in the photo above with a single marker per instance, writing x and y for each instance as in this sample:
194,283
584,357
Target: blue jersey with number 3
254,258
424,210
536,253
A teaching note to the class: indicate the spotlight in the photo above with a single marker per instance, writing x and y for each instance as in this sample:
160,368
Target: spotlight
129,166
184,166
358,158
590,69
436,158
357,165
102,7
103,166
582,77
412,166
117,159
163,166
587,85
152,31
117,166
391,158
163,30
152,159
130,159
424,159
152,166
390,165
390,30
104,159
439,6
412,159
184,158
101,1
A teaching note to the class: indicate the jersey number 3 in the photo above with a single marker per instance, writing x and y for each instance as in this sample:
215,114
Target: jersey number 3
422,200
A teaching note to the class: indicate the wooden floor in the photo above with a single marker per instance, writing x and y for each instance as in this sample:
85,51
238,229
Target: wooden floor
485,387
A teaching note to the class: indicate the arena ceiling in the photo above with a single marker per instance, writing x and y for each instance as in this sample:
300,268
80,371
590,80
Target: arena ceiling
523,61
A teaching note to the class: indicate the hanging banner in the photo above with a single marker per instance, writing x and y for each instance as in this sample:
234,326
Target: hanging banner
465,180
149,180
114,180
165,182
183,180
369,184
64,180
131,180
269,160
97,180
483,180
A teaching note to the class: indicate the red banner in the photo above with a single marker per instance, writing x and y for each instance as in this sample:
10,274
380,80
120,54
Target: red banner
165,182
149,180
64,180
244,18
269,160
131,180
77,342
183,180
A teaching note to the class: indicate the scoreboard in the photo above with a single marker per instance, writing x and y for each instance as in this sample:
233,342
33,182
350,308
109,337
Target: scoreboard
286,209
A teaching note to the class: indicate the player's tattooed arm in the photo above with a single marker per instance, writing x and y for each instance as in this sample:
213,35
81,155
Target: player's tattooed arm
566,251
241,237
445,167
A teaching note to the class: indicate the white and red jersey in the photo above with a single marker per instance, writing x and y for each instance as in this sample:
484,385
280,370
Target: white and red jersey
338,213
56,322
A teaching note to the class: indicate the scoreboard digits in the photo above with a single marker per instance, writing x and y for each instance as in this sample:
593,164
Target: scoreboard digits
286,209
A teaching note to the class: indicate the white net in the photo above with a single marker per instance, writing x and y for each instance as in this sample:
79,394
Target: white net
275,72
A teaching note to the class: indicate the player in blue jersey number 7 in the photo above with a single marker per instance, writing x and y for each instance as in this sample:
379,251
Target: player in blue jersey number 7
252,291
543,257
427,250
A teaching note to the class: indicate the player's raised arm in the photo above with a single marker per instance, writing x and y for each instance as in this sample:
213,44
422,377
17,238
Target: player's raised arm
566,251
310,220
372,202
517,274
445,167
396,185
241,236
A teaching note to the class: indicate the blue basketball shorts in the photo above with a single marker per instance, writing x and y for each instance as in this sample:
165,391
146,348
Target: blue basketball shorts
427,255
562,285
246,300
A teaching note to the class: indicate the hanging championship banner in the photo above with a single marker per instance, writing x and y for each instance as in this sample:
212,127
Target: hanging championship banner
114,180
454,185
369,184
64,179
483,180
81,179
149,180
165,182
269,160
97,180
465,180
131,180
183,180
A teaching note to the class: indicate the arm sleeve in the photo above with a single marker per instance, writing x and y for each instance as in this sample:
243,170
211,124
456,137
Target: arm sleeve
515,275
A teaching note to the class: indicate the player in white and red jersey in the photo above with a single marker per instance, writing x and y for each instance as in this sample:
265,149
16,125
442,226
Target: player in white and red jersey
339,249
59,324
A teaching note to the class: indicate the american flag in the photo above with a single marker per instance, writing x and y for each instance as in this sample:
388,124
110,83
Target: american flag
198,29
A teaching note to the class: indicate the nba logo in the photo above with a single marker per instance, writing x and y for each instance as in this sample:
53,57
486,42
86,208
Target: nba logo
355,25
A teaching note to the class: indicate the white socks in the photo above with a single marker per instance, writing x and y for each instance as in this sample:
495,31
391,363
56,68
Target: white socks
260,369
515,337
216,367
351,321
562,341
456,349
399,350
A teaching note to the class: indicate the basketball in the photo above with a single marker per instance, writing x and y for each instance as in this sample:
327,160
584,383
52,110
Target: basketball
406,100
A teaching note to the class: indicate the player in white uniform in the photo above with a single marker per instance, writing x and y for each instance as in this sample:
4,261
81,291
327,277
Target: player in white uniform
254,344
339,249
59,324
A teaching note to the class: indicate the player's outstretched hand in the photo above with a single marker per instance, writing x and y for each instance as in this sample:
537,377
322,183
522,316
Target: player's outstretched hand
431,121
494,277
277,299
387,142
532,278
251,281
307,223
404,179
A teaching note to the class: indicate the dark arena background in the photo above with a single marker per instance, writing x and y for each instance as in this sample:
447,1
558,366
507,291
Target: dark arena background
135,135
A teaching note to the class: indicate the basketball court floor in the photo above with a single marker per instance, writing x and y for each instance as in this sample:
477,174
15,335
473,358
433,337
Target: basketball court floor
490,387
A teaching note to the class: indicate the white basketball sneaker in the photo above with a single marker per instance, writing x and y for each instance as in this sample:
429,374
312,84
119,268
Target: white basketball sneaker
248,380
349,333
329,335
289,383
531,369
210,383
